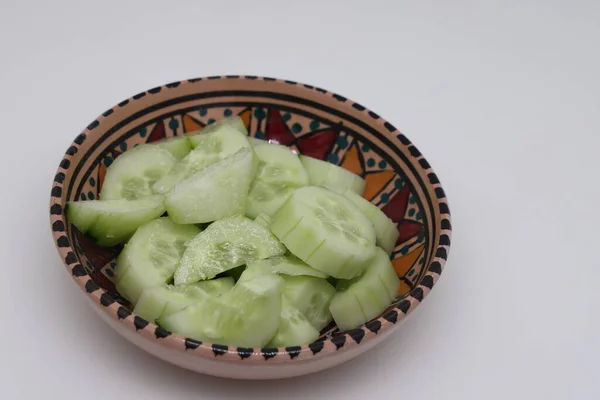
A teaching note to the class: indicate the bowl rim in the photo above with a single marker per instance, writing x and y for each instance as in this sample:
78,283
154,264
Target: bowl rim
330,345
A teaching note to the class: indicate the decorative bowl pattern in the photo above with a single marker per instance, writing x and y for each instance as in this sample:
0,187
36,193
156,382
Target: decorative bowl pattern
313,121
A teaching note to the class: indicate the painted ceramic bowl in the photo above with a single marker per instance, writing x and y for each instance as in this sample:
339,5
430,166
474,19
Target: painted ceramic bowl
314,121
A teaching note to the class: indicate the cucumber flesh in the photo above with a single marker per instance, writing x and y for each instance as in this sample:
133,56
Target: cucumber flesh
366,297
179,147
111,222
225,124
246,316
294,329
279,173
326,231
151,256
311,296
256,142
225,244
263,219
284,265
321,173
133,173
218,191
386,231
346,311
165,300
209,148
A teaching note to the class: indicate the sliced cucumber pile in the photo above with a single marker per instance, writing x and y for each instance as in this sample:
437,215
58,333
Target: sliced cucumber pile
261,247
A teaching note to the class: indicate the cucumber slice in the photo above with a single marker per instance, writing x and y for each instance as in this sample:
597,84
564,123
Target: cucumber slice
133,173
311,296
282,265
247,316
386,231
179,147
218,191
225,244
294,329
222,125
209,148
111,222
321,173
150,258
256,142
279,173
166,299
346,311
326,231
263,219
368,296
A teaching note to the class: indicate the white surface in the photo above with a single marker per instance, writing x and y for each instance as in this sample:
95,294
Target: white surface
501,96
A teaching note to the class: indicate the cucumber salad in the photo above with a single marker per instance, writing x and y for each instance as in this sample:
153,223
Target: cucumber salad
235,240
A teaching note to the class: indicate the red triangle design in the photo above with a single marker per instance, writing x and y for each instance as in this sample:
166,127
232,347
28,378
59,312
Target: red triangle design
158,133
102,281
277,129
317,145
396,207
408,229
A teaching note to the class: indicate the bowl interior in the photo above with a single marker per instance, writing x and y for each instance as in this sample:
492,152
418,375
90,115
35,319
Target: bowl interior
310,120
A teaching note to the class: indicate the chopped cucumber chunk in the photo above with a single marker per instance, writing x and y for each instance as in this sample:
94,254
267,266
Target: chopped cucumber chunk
321,173
247,316
225,244
209,148
218,191
156,302
326,231
279,173
179,147
294,328
151,256
311,296
364,298
111,222
133,173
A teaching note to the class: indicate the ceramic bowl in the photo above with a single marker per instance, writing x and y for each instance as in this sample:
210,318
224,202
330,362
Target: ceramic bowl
312,120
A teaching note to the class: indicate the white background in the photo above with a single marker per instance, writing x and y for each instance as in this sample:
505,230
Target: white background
501,96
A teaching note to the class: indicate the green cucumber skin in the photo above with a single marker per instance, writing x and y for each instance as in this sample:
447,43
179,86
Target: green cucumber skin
112,222
361,299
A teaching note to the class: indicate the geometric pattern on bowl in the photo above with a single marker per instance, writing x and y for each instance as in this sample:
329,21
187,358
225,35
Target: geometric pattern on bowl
420,211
